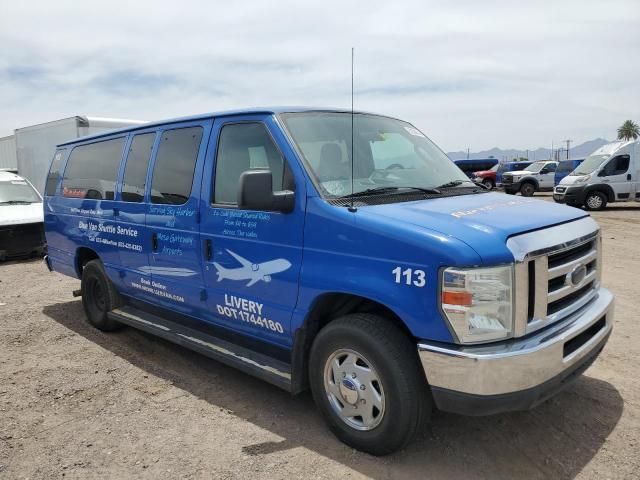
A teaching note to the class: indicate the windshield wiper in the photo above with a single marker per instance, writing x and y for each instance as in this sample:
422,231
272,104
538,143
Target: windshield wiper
455,183
16,202
373,191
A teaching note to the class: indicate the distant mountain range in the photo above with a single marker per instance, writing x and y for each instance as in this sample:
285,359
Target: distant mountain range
579,151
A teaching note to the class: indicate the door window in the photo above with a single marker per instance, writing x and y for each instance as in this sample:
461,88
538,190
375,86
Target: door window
616,166
135,173
175,165
242,147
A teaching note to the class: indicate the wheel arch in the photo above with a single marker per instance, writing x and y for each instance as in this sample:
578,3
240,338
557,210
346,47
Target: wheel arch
532,181
603,188
325,308
84,255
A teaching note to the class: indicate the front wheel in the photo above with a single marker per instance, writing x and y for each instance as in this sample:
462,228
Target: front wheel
368,384
527,189
488,184
595,201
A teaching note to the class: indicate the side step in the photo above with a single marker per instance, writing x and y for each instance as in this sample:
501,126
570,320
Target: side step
262,366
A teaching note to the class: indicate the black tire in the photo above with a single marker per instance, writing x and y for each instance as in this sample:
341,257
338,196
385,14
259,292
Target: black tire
99,296
509,192
595,201
527,189
392,356
488,184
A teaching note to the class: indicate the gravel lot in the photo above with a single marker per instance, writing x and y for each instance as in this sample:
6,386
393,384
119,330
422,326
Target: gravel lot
78,403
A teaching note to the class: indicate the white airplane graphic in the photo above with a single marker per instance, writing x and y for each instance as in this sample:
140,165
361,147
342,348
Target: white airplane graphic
254,272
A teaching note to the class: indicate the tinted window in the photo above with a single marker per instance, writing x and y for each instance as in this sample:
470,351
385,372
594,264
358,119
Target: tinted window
175,164
92,169
135,173
54,173
242,147
616,166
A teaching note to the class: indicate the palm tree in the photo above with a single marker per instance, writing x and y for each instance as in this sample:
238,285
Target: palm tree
629,130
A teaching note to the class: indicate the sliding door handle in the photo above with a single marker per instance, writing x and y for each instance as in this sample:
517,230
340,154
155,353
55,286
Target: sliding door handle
208,250
154,241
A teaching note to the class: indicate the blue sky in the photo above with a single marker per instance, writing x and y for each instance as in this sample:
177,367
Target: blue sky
479,74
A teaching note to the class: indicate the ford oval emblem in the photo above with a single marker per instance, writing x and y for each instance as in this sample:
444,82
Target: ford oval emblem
576,276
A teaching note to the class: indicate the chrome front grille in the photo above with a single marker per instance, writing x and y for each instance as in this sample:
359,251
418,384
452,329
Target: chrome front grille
555,276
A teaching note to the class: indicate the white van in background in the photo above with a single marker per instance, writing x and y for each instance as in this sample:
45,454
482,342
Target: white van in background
21,218
610,174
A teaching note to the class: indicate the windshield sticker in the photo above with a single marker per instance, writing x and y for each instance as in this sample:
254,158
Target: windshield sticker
414,131
487,208
18,182
253,272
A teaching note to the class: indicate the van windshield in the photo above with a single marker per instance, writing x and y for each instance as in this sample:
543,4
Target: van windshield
388,153
590,164
17,192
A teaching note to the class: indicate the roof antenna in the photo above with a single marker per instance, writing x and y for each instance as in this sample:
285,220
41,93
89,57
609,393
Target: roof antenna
352,208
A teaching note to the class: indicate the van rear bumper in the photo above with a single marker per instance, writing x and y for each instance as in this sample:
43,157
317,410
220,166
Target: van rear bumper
521,373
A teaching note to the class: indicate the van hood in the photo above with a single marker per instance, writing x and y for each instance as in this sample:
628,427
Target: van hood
19,214
572,180
482,221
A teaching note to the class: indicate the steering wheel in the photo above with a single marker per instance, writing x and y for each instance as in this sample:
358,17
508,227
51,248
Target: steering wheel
395,166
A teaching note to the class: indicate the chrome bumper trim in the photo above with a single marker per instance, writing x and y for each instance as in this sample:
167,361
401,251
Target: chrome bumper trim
519,364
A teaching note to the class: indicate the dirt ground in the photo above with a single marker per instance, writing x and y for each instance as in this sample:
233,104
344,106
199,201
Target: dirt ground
78,403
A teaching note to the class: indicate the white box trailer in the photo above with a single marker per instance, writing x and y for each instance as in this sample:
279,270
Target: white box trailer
36,144
8,158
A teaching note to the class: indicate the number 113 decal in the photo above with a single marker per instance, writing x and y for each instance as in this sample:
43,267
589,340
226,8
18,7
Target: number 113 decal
409,276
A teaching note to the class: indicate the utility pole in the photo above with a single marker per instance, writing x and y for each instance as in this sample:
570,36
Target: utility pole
568,146
467,153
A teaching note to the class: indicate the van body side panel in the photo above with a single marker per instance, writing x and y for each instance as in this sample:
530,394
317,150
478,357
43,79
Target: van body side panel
348,253
174,233
252,259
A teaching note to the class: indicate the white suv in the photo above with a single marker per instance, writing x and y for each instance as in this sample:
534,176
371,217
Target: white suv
537,177
21,218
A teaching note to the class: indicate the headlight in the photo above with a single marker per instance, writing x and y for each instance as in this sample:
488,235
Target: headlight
478,302
583,178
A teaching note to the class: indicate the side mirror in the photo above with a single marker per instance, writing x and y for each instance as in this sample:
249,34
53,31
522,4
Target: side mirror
255,192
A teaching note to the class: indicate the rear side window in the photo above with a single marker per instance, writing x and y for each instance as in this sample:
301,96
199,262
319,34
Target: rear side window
54,173
135,173
242,147
92,170
175,165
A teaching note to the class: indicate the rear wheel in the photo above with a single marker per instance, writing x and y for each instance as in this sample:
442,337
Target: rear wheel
527,189
595,201
99,296
368,384
487,183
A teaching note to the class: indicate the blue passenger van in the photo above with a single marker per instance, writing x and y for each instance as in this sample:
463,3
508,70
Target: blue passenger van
333,251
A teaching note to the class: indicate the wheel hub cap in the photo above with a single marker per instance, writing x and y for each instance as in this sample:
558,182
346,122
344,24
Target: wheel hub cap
354,389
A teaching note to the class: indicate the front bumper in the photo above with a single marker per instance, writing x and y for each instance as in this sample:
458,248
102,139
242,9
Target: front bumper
520,373
569,195
21,240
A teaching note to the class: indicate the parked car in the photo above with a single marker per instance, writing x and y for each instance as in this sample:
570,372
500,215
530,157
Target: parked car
470,166
509,167
565,167
487,177
244,236
610,174
21,229
537,177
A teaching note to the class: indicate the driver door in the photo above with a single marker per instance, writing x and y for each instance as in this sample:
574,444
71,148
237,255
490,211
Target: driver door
251,259
547,175
616,174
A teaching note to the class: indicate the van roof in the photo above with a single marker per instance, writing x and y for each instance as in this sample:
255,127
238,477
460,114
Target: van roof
225,113
611,148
